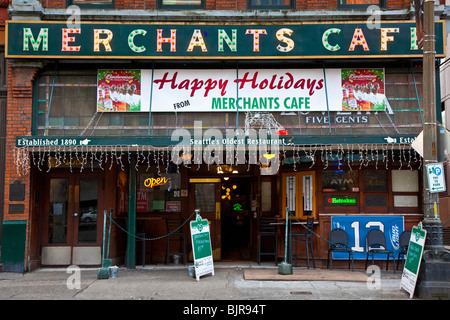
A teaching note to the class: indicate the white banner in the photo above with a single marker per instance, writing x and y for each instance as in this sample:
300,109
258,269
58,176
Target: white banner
230,90
258,90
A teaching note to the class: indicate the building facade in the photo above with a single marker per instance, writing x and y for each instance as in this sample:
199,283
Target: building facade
148,110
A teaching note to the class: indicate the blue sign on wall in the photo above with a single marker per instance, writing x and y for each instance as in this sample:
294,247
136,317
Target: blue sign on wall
357,228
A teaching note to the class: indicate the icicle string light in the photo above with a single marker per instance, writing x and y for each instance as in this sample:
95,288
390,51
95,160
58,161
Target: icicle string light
104,157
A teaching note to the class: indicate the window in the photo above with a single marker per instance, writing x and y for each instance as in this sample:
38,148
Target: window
92,3
405,188
270,4
299,194
158,192
340,190
340,181
266,195
375,184
181,4
359,4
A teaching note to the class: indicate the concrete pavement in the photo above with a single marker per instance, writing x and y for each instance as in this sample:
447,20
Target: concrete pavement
174,283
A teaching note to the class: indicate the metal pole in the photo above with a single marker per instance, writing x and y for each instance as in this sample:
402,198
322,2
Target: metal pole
131,239
432,282
429,112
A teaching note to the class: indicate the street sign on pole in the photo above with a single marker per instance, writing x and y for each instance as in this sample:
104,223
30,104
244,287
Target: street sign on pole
413,259
436,180
201,247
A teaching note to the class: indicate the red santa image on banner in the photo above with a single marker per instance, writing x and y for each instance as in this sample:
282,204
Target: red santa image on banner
363,90
119,90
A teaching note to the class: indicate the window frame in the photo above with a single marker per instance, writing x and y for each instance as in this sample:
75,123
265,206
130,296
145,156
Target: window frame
342,4
251,6
341,193
415,193
299,193
160,5
92,5
365,192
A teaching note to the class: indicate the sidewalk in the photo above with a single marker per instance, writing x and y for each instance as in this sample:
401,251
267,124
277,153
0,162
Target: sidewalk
160,282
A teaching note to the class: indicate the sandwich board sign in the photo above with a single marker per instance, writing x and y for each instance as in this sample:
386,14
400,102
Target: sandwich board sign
413,259
201,246
436,180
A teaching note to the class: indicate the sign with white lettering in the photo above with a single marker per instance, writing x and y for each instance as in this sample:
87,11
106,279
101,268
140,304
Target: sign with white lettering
357,228
413,259
201,247
436,180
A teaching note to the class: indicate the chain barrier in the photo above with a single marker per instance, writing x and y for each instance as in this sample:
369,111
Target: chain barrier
175,230
312,232
149,239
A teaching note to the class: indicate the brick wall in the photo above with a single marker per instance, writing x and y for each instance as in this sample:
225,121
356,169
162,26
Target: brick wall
231,4
18,117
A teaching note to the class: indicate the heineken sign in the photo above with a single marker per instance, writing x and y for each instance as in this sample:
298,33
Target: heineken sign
55,39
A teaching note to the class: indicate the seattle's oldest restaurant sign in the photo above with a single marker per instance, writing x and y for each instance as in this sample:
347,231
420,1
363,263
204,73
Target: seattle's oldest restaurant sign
46,39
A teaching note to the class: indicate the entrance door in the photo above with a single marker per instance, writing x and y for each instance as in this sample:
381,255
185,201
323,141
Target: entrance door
298,191
72,220
205,196
236,205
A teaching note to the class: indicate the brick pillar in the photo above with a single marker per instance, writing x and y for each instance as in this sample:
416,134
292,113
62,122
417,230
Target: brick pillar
21,75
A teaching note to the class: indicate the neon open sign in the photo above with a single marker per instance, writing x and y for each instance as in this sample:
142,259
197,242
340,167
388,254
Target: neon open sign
154,182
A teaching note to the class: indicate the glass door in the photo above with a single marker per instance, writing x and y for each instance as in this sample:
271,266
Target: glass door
299,194
72,226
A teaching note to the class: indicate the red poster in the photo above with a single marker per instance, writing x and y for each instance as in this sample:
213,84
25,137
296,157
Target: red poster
119,90
363,89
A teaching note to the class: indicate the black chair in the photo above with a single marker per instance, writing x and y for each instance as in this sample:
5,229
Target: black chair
376,244
307,239
267,228
338,242
403,246
175,232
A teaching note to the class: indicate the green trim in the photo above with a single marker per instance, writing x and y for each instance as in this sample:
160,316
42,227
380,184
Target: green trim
35,108
82,143
131,239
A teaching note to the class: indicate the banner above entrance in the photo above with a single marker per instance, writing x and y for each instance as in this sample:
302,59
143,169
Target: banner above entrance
255,90
55,39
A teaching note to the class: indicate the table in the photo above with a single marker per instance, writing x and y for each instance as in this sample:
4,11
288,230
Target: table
289,245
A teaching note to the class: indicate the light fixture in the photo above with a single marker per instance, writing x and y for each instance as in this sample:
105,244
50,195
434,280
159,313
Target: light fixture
269,155
186,156
225,178
235,171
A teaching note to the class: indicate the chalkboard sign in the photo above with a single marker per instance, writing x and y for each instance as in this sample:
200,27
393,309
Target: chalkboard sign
201,247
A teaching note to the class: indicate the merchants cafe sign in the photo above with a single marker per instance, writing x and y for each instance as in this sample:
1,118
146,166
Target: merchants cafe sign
55,39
